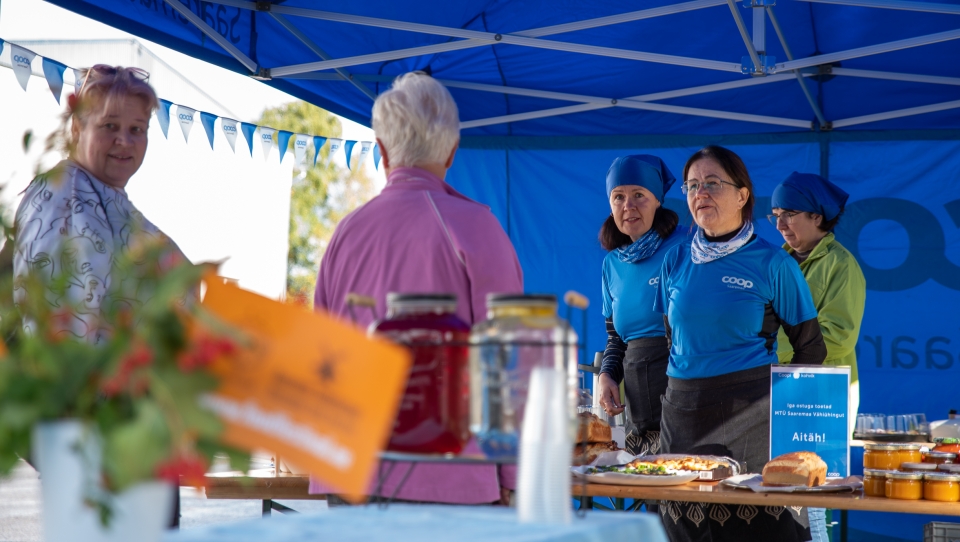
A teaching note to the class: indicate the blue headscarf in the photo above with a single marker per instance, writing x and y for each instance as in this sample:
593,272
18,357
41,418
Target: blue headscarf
643,170
809,193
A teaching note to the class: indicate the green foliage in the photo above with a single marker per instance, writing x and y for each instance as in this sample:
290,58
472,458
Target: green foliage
320,197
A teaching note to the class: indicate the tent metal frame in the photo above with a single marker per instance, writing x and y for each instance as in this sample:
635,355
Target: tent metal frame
756,67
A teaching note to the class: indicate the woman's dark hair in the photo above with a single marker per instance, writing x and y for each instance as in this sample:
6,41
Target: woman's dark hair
664,222
733,166
828,225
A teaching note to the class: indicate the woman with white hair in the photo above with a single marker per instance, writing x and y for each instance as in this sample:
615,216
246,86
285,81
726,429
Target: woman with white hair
419,235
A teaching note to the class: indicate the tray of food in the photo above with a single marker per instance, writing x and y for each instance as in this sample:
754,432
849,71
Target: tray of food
655,470
795,472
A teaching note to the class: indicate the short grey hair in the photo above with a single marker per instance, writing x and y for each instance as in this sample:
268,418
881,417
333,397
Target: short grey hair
417,121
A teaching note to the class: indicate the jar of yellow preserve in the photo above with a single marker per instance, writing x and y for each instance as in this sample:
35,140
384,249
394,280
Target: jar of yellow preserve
881,456
875,482
907,486
944,487
910,453
939,457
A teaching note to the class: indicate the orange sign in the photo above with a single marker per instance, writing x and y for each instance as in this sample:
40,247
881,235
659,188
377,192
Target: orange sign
312,389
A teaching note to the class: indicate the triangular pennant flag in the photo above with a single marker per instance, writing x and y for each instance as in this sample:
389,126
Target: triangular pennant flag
229,127
335,144
185,115
248,130
318,142
300,148
53,72
376,156
283,139
78,80
208,120
266,139
364,150
1,45
21,61
163,115
348,149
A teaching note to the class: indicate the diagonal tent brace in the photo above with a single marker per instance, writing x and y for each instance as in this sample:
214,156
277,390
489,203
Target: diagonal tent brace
213,35
824,124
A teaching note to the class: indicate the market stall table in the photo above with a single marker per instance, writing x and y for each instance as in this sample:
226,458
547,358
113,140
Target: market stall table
416,523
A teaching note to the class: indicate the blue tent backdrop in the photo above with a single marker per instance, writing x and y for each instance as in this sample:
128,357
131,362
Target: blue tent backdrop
864,92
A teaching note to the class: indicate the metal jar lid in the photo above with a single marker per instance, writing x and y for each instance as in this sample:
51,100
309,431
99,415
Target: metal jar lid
905,475
880,473
942,455
946,440
521,300
909,447
410,300
941,477
881,447
918,466
947,467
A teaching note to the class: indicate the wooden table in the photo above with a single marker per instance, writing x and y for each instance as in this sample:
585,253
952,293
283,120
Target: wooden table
263,486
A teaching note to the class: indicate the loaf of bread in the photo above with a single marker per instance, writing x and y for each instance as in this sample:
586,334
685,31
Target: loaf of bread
585,453
593,429
795,469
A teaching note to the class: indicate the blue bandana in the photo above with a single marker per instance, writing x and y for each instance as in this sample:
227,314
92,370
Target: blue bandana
703,251
641,249
642,170
809,193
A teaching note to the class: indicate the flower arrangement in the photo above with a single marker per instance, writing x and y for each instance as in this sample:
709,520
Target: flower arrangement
138,393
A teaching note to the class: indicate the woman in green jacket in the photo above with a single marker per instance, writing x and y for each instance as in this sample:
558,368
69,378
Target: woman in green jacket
806,208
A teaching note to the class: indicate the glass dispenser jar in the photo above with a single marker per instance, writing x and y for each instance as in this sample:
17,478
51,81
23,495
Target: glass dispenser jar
521,332
434,412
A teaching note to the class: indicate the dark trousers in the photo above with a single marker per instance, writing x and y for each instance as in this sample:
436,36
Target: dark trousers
644,382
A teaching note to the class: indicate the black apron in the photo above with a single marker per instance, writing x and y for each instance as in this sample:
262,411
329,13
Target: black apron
644,383
727,415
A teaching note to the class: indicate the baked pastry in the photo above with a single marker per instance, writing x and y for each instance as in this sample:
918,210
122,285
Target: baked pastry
593,429
585,453
795,469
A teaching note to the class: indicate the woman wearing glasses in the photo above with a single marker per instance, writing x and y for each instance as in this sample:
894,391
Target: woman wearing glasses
725,295
638,232
806,208
76,219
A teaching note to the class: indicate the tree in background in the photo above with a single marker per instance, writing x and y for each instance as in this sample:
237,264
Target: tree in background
320,197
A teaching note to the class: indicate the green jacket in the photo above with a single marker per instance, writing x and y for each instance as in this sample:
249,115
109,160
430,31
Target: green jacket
839,292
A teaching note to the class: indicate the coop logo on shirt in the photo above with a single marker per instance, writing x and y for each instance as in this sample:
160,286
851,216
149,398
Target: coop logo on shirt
735,282
654,281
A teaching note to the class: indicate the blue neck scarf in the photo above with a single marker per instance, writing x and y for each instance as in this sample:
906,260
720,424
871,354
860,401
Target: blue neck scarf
703,251
641,249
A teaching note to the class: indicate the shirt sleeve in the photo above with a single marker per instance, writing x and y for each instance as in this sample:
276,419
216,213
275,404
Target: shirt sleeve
661,301
791,296
842,309
613,354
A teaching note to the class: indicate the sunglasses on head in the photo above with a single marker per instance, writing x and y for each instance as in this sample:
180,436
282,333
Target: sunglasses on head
105,70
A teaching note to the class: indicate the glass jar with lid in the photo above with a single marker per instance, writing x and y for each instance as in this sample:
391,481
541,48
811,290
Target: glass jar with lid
939,457
875,482
904,485
522,332
910,453
434,413
944,487
881,456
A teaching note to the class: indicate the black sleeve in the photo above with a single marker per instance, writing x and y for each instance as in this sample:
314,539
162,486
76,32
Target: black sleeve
613,354
807,342
669,332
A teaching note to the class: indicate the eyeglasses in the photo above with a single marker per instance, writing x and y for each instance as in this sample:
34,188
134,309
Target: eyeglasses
710,187
105,70
786,217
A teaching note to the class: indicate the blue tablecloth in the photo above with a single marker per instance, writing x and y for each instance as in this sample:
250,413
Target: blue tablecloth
412,523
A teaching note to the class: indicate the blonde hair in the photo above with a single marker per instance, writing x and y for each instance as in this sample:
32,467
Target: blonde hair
103,86
417,121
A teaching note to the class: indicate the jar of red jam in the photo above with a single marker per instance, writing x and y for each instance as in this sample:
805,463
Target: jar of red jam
434,413
947,444
939,457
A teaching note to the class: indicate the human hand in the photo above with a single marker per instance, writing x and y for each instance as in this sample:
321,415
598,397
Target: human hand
610,395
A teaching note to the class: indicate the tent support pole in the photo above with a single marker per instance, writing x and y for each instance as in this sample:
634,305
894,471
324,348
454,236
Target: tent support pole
754,57
897,114
929,7
803,84
914,78
188,14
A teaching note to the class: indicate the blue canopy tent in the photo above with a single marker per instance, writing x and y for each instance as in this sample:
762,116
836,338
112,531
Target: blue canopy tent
864,92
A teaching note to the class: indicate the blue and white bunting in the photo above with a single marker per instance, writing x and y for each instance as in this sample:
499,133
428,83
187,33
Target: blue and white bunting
300,143
335,143
348,149
1,45
376,157
318,142
185,116
163,116
364,150
78,80
53,72
208,120
266,140
283,140
248,131
21,60
229,127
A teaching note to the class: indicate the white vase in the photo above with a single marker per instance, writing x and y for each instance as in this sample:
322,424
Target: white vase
68,457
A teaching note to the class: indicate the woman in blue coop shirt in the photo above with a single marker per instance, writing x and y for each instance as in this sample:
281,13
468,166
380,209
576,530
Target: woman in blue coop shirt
638,232
725,294
806,208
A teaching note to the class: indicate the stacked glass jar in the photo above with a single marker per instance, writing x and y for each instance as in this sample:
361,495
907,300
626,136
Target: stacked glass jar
902,471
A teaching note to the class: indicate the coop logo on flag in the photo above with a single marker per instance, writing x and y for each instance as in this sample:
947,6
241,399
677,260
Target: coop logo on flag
335,144
266,139
21,60
229,127
300,148
185,116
